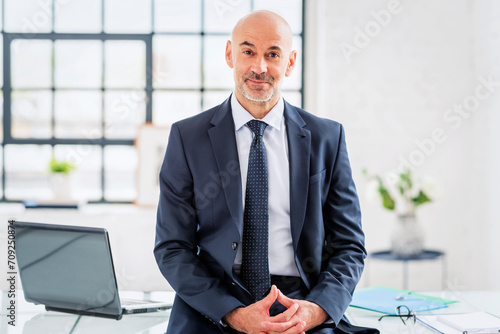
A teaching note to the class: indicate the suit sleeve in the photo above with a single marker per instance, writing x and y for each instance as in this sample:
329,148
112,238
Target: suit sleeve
344,252
176,248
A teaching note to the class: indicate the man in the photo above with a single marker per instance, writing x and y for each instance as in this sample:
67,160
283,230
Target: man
259,226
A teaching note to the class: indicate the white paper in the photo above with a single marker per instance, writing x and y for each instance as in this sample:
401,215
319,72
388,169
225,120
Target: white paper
472,322
461,322
433,323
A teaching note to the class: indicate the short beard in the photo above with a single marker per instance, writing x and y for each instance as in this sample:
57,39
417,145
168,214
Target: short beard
261,77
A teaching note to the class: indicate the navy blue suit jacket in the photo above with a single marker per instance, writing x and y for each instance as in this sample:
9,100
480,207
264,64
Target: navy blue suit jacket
200,217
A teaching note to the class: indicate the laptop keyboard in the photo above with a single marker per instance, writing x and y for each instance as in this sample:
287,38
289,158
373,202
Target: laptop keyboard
132,301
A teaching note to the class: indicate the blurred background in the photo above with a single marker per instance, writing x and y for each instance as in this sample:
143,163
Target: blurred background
416,85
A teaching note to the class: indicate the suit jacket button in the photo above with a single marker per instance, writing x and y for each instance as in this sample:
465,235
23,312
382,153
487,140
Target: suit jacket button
235,245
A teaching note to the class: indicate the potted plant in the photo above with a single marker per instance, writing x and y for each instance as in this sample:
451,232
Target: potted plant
403,197
60,178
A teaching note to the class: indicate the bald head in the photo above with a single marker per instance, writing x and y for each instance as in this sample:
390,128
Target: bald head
264,23
260,54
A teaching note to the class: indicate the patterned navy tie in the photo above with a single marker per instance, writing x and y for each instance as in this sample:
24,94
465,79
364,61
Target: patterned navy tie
255,264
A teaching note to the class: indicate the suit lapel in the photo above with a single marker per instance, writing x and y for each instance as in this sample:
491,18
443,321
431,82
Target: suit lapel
299,147
222,136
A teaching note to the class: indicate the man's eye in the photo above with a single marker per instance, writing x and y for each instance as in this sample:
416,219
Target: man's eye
247,52
273,55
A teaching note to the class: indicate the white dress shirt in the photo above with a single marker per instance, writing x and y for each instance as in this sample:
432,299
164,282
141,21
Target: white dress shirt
281,255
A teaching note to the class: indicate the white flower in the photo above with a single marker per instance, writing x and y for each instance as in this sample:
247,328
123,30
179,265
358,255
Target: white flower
431,187
371,192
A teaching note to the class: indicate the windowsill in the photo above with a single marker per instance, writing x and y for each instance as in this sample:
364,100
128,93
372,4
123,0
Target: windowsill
18,209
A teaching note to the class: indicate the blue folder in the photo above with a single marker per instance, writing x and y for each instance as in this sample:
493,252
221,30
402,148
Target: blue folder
386,300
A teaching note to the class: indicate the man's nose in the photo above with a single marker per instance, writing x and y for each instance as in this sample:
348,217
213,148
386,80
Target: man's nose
259,65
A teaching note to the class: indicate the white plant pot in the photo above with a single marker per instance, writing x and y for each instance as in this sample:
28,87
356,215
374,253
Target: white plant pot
407,238
60,184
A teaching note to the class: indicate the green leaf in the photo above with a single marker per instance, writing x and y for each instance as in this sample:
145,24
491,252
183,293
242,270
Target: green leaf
406,180
64,167
421,198
401,189
387,200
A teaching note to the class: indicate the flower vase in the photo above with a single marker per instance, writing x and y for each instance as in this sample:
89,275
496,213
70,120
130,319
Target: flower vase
407,237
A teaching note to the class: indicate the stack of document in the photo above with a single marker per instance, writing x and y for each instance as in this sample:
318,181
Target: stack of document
387,300
475,322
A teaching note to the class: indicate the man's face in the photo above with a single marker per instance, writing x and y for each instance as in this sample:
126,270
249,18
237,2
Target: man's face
261,57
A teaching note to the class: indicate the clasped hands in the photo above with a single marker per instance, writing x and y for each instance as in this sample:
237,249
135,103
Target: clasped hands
300,316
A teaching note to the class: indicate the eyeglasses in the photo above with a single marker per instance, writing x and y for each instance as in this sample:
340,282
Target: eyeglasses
403,312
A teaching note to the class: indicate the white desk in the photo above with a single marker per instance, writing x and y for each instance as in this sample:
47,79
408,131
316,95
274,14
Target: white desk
469,301
33,319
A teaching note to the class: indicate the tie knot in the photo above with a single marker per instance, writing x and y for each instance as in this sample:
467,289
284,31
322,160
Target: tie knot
257,127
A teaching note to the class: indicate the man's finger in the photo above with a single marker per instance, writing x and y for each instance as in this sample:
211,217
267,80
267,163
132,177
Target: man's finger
291,327
270,298
297,329
286,315
284,300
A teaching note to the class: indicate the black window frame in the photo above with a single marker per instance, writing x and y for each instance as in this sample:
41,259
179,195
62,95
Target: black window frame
103,142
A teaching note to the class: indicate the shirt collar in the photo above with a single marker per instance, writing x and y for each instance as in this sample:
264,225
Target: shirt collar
241,116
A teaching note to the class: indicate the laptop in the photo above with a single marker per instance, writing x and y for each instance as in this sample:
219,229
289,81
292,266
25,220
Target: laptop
70,269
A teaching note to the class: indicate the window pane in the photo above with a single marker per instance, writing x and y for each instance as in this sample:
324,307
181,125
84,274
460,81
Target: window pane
176,61
86,179
78,64
294,80
1,117
1,170
290,10
78,114
170,107
221,16
120,164
23,178
32,114
175,15
127,16
31,63
28,16
214,98
293,98
217,72
125,64
125,111
69,16
1,52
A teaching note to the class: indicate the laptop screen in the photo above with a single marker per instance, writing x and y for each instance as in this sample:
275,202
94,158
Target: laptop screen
67,267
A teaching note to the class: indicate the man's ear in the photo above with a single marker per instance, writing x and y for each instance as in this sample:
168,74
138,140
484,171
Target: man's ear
229,54
291,63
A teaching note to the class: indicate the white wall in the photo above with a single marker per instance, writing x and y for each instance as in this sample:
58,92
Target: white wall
487,58
392,93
